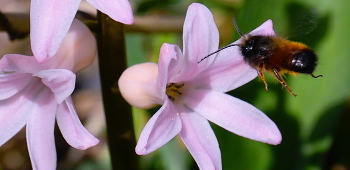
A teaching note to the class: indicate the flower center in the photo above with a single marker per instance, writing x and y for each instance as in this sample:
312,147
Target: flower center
173,90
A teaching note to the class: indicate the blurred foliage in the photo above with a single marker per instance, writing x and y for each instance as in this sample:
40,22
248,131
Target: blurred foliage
314,125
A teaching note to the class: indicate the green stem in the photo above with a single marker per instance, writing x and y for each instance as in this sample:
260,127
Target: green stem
112,63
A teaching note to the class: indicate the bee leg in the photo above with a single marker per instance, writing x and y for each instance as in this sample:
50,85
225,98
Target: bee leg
262,77
312,75
279,78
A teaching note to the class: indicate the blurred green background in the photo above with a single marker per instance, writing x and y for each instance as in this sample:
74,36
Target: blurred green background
314,125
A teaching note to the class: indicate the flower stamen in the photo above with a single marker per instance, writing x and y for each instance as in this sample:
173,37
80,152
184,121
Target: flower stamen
173,90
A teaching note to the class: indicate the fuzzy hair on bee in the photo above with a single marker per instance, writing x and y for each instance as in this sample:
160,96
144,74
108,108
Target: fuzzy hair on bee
275,55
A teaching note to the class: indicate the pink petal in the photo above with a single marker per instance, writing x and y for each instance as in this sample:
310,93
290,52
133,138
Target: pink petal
72,130
40,131
10,84
49,23
233,114
200,140
159,130
14,110
229,70
77,50
167,66
200,37
60,81
174,66
264,29
119,10
138,86
20,64
226,73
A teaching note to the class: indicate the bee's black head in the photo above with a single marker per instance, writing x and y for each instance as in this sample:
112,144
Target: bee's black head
256,49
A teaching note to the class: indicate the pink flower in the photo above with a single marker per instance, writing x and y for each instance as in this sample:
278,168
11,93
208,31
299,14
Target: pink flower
192,93
50,21
34,94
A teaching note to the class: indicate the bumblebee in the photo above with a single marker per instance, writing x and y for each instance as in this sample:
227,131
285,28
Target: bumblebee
275,55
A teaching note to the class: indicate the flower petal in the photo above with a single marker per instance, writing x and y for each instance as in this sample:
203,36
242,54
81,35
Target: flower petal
12,83
40,131
77,51
72,130
201,141
60,81
168,66
175,65
14,110
200,37
20,64
264,29
233,114
138,86
49,23
227,72
119,10
159,130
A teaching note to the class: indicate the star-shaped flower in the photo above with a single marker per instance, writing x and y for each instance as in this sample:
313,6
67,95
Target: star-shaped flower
192,93
34,95
50,21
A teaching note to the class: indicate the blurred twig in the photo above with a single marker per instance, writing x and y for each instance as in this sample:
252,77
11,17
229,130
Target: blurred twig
17,25
156,24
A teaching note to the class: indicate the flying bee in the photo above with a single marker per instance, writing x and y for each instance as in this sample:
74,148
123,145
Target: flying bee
275,55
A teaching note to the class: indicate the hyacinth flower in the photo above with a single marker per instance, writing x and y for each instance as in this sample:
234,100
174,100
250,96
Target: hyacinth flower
35,95
50,21
192,93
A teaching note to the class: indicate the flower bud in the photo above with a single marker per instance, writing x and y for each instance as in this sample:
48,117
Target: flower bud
77,50
138,83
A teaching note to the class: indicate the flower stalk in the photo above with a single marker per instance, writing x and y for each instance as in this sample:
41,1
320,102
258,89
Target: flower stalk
112,63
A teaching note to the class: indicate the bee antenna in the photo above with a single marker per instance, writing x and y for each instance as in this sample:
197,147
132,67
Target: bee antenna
230,45
312,75
236,26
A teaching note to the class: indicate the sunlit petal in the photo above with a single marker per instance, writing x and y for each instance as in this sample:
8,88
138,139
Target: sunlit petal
159,130
77,51
40,131
119,10
138,86
265,29
14,110
169,53
10,84
200,37
60,81
201,141
227,72
49,23
234,115
20,64
72,129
